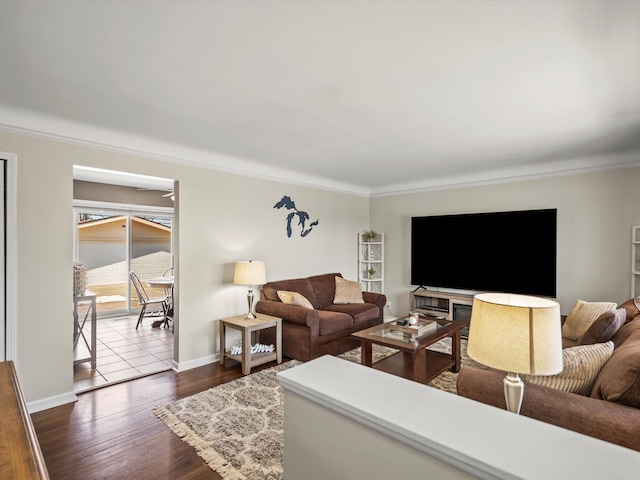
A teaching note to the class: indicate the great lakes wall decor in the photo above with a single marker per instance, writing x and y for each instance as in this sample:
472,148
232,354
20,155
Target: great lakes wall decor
303,217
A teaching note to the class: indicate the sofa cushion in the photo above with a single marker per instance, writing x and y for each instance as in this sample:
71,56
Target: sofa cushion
619,379
360,312
625,332
632,308
300,285
324,287
582,315
347,292
334,322
604,328
294,298
581,365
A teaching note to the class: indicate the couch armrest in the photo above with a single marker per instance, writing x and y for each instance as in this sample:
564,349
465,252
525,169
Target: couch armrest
289,313
377,299
608,421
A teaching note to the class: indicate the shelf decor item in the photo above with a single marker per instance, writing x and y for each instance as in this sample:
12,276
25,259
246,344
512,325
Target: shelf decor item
371,272
370,235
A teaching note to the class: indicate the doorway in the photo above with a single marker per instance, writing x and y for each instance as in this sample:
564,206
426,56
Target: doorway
118,229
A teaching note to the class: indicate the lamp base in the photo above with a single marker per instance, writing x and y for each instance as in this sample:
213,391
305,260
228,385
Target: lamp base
250,315
513,392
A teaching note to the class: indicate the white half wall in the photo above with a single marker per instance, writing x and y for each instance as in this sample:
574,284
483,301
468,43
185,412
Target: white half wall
344,421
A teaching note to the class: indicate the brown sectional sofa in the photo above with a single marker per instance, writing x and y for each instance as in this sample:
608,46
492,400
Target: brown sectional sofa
610,413
326,328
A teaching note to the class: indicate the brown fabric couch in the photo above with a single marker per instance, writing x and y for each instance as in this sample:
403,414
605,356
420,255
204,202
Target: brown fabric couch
610,413
309,333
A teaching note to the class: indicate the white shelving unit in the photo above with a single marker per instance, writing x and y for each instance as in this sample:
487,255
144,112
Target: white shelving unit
635,262
371,257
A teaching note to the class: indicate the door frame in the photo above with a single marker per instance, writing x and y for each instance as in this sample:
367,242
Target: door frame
124,209
11,242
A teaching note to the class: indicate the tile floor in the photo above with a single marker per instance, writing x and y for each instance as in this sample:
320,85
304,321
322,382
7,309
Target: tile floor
124,353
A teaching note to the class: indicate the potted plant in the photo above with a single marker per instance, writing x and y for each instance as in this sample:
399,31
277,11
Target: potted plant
370,235
371,272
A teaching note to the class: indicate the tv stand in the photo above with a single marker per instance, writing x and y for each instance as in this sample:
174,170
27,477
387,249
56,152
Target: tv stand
450,306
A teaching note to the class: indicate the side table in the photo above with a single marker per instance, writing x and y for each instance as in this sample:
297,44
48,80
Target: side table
89,299
247,327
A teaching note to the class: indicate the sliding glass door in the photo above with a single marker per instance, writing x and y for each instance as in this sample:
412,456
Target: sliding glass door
111,243
151,249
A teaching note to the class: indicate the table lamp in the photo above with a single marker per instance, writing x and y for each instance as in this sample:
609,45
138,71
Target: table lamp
250,273
518,334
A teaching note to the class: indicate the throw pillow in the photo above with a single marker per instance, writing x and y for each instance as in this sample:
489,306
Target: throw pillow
632,308
604,328
619,380
582,315
347,292
581,365
294,298
625,332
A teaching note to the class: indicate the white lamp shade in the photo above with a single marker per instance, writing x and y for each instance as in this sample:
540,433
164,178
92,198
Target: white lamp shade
516,333
249,273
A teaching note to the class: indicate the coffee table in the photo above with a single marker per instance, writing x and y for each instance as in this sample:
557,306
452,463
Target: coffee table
421,365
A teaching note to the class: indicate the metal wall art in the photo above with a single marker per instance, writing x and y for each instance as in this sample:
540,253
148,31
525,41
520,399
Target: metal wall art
303,217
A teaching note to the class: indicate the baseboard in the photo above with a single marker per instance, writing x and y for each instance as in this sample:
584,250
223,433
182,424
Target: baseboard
198,362
51,402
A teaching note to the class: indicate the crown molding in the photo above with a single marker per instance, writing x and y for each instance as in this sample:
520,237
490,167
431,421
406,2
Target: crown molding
28,123
37,125
559,168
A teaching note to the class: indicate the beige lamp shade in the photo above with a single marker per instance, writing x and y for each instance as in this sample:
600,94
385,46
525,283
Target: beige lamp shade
516,333
249,273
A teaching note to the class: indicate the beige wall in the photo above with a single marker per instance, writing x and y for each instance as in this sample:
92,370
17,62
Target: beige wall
222,218
595,215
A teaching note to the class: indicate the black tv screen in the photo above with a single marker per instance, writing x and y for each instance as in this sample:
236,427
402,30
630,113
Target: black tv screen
511,252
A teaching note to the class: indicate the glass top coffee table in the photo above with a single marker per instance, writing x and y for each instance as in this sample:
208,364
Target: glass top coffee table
414,360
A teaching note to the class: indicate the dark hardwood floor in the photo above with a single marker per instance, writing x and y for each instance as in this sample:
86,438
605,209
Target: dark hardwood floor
111,433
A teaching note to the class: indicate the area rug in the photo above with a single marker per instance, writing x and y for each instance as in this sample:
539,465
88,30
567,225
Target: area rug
237,427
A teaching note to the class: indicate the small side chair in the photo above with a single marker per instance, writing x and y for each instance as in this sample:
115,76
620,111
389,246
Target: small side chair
144,300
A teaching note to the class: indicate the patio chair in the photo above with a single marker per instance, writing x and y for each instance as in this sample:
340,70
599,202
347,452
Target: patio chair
144,300
169,273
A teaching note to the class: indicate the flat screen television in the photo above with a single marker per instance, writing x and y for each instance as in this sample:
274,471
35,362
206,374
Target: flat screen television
512,252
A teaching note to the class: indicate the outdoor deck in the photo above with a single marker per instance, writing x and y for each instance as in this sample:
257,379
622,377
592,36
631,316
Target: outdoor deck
113,297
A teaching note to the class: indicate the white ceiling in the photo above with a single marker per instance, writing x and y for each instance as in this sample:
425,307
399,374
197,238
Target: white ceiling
370,97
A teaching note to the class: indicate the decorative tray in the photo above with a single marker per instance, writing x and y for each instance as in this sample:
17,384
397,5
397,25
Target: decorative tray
423,327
